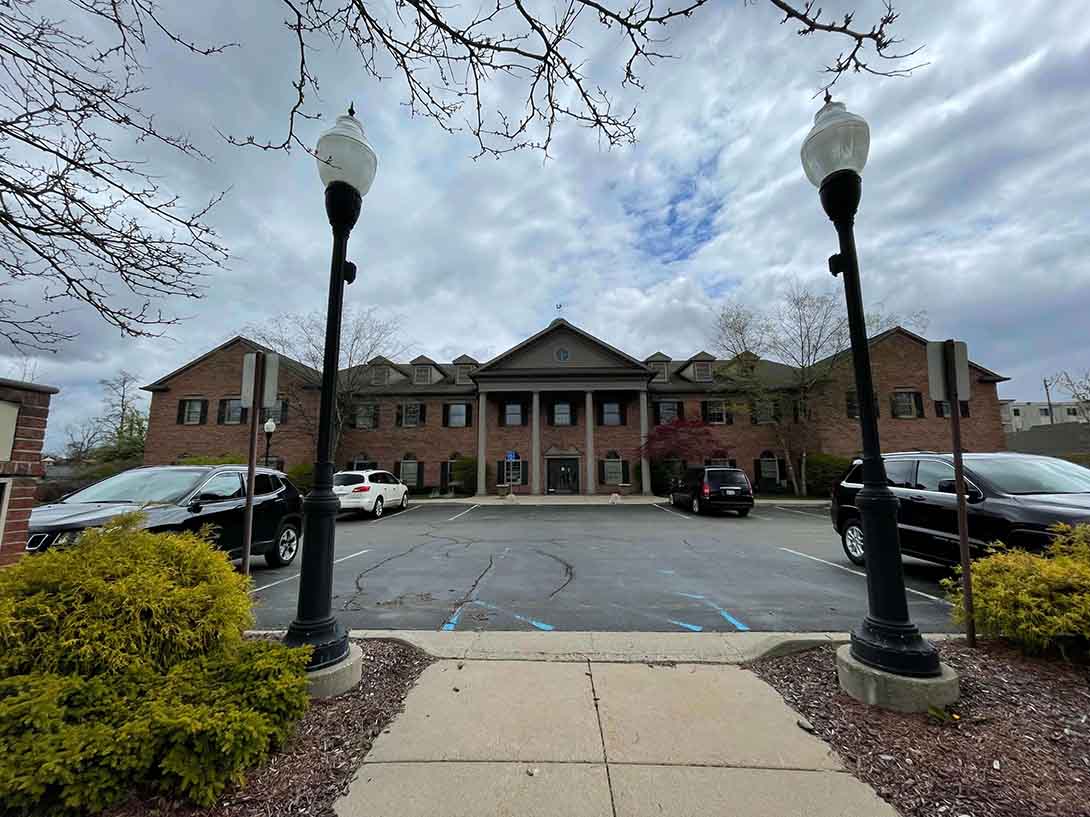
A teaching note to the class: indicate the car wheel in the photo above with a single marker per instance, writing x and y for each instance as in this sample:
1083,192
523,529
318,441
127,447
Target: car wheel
696,505
285,547
405,500
743,512
852,539
377,511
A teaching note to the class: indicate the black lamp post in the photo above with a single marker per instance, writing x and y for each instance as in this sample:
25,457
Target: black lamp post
270,427
347,165
833,156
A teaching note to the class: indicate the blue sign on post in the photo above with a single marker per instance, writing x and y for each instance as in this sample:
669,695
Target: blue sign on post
512,456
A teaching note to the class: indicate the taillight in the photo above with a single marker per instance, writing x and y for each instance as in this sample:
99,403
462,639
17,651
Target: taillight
361,489
707,489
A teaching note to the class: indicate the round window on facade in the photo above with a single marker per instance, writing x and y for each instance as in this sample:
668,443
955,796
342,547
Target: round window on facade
562,355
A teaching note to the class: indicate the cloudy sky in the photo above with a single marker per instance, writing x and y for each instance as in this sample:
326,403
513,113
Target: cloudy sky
974,208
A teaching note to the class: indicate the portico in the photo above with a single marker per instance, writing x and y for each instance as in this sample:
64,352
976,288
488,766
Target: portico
562,412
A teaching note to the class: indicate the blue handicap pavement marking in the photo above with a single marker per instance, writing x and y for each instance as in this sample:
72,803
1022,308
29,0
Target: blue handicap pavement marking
541,625
694,628
738,625
452,622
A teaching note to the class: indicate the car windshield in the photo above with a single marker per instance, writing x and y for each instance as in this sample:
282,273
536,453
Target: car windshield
1033,476
142,485
717,479
348,479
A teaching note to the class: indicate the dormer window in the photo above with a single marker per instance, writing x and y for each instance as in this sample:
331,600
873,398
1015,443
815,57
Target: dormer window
662,372
463,374
380,376
702,370
421,375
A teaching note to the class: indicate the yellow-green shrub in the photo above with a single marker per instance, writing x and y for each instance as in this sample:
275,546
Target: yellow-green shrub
1038,601
121,596
122,665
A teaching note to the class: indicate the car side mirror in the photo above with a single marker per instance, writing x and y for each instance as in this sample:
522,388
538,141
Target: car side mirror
194,506
949,486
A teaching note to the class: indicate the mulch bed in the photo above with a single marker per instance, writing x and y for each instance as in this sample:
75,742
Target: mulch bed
1020,746
316,765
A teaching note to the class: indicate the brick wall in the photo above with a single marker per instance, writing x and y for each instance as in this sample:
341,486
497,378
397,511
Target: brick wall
22,472
217,377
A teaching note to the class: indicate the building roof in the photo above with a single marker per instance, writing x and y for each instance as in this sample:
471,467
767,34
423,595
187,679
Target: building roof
300,369
462,360
423,360
561,323
658,357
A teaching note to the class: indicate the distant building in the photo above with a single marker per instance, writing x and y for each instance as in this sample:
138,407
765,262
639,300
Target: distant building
1021,415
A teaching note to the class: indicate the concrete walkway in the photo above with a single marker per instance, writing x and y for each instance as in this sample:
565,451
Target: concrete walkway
614,736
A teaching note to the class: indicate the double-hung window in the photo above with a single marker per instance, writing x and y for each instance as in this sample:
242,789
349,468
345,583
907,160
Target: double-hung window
410,415
611,414
512,414
667,411
562,413
456,415
717,412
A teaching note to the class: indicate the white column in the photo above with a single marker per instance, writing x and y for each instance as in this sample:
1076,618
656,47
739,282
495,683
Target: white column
645,463
482,447
535,447
592,463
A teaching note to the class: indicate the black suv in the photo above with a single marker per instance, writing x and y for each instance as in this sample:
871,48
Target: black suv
1011,498
182,497
713,488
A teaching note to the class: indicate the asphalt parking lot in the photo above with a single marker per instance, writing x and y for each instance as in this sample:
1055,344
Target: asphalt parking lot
614,568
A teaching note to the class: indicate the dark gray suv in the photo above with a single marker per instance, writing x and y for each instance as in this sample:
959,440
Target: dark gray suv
1011,498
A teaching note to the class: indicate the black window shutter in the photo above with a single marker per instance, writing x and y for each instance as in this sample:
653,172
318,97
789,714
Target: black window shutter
573,413
221,412
444,477
550,414
283,411
400,414
964,408
204,412
419,475
729,416
919,404
892,406
397,469
525,472
753,414
423,414
656,413
350,420
599,413
601,472
243,415
501,475
469,414
940,410
704,410
181,412
524,413
624,413
503,413
446,415
624,472
681,409
375,415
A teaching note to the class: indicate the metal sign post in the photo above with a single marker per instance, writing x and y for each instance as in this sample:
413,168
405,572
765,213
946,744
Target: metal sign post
948,375
259,390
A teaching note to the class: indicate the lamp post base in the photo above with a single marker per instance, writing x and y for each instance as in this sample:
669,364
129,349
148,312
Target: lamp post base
898,692
894,647
327,638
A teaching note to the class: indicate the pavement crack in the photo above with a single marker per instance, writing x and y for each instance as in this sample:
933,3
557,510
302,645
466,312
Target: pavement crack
602,736
473,587
352,604
569,570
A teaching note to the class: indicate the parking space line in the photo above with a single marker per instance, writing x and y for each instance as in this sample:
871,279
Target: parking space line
802,513
351,556
864,575
296,575
463,513
675,513
383,518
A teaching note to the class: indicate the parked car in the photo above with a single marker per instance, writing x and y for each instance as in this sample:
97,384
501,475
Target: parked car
713,488
177,497
370,491
1010,498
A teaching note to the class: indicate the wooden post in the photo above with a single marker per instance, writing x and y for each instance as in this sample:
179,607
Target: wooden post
251,462
949,359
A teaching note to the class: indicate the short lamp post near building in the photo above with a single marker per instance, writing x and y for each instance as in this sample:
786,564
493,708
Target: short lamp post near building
833,156
270,427
346,165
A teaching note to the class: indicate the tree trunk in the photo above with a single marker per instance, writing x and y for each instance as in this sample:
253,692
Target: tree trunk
790,465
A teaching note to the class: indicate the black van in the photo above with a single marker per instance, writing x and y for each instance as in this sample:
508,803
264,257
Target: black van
713,488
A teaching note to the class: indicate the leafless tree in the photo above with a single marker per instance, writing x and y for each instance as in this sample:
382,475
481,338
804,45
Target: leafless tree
449,56
82,439
1078,387
807,329
301,336
122,414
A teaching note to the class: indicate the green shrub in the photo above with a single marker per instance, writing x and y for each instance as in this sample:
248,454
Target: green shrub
121,596
122,665
464,471
82,744
1037,601
302,475
822,473
213,459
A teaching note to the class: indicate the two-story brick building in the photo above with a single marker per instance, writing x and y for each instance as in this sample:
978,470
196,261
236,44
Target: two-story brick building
561,412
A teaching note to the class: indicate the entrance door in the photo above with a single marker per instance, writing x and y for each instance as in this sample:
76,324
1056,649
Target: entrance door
563,476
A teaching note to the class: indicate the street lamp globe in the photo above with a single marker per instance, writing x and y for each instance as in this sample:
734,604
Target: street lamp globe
270,426
839,140
345,155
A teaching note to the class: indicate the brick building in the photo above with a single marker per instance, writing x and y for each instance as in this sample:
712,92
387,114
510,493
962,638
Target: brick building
562,411
24,411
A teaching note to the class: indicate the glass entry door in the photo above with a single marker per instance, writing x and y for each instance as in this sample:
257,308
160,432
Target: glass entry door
563,476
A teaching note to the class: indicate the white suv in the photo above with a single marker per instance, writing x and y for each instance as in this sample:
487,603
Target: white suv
370,491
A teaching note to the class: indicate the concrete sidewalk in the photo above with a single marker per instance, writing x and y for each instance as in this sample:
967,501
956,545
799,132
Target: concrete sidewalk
488,736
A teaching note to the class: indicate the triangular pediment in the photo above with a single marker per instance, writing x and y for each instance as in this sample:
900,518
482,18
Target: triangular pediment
562,346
